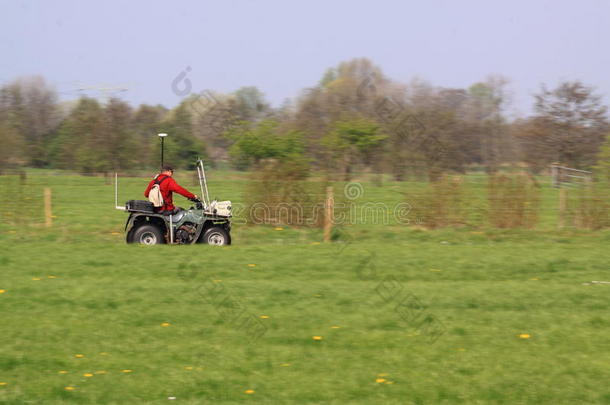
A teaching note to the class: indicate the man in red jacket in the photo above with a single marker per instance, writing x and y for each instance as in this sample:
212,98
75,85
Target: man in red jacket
168,185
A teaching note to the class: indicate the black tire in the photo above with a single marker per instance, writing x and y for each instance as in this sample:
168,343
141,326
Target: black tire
216,236
129,236
147,235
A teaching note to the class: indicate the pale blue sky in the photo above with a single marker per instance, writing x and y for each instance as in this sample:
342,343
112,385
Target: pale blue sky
282,46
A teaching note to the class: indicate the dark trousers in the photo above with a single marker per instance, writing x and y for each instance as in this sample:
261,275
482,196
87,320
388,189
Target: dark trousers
171,212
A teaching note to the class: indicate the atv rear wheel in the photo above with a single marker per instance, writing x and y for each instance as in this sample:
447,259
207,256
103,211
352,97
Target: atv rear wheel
216,236
147,235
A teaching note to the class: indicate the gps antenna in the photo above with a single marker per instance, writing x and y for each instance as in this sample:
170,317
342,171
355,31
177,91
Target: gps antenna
162,137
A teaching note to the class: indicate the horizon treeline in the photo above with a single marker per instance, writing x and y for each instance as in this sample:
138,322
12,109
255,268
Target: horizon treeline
354,119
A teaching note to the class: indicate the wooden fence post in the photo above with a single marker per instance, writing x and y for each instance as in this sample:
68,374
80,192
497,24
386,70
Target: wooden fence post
328,214
555,175
48,215
563,203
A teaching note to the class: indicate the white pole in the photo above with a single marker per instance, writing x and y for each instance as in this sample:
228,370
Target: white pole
116,193
205,183
199,175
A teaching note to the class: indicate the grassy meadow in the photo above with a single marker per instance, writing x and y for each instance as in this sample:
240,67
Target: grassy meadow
88,319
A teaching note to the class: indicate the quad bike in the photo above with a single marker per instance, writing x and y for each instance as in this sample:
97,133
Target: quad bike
206,222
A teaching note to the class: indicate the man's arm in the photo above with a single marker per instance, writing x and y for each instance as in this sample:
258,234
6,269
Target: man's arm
182,191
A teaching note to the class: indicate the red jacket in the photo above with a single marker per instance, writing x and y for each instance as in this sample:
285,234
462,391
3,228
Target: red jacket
167,187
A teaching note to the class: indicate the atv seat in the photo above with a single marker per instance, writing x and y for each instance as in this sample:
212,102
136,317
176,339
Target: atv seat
140,206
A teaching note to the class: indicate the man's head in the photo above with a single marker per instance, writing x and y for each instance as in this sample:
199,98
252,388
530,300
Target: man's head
167,170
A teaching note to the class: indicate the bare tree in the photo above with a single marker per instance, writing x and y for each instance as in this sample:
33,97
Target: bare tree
30,110
487,102
569,126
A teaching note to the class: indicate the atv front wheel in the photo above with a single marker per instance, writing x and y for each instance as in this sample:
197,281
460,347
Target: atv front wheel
216,236
147,235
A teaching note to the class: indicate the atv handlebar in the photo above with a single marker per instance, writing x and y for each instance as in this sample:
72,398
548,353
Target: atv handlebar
197,202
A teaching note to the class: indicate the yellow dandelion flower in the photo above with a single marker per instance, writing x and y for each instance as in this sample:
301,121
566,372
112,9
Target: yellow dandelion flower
3,383
88,375
62,372
251,265
36,279
249,392
524,336
69,388
126,371
51,276
188,367
380,380
316,337
264,316
279,228
100,372
285,364
389,382
79,356
2,291
336,327
165,324
103,354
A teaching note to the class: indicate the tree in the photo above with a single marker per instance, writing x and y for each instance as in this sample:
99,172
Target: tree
119,141
11,151
182,147
427,129
329,76
484,113
30,110
250,104
254,142
569,126
76,143
439,147
213,113
354,140
602,168
349,89
147,122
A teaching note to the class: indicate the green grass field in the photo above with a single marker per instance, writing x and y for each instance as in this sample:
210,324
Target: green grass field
88,319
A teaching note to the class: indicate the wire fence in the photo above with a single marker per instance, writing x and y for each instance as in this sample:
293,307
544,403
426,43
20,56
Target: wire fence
496,201
21,202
